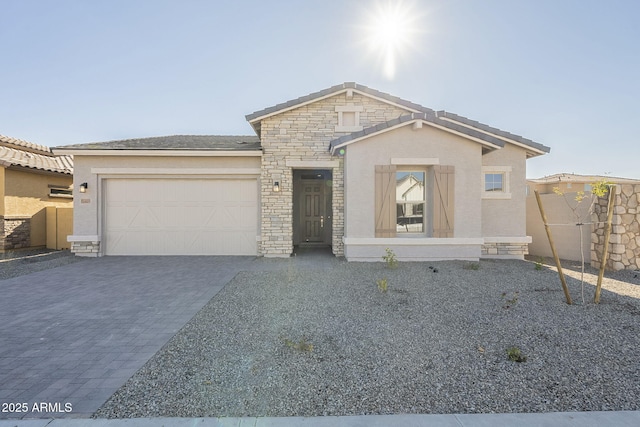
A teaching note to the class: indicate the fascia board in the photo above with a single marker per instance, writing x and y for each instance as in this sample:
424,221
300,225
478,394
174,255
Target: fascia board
411,122
160,153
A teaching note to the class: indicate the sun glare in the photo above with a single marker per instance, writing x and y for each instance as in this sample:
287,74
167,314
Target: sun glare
391,26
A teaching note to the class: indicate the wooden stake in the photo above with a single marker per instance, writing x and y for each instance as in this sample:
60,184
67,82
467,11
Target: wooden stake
565,288
607,234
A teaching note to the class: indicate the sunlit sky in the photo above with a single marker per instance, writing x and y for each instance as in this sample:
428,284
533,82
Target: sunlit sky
564,73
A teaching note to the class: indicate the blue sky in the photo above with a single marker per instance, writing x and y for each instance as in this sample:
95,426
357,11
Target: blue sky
565,73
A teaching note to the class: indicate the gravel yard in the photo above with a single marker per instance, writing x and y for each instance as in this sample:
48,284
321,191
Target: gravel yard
20,262
303,342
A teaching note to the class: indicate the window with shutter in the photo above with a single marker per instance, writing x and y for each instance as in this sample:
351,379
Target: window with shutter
443,197
385,201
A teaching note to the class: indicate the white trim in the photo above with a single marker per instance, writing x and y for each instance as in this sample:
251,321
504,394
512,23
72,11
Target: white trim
158,153
410,122
399,241
518,239
88,238
330,95
418,161
505,171
311,164
176,171
509,140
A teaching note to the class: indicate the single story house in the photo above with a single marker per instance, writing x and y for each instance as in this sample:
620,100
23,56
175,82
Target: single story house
348,167
32,179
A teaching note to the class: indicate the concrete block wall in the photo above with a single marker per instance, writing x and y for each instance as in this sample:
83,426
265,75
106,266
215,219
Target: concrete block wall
624,242
303,134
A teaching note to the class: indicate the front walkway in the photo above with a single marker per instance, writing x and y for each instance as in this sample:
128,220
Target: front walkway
75,334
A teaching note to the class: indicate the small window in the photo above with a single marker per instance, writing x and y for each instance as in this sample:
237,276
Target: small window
494,182
587,188
410,201
60,191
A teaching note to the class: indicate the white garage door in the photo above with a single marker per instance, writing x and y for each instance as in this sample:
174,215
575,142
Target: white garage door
181,216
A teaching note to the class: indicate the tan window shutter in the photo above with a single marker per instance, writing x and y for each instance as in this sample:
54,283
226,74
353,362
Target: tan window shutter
443,201
385,188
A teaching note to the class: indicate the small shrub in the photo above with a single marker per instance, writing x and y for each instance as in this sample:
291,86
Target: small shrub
390,258
382,285
510,302
472,266
302,345
539,263
515,355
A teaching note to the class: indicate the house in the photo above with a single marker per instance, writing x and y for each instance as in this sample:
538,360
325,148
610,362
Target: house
348,167
32,179
573,241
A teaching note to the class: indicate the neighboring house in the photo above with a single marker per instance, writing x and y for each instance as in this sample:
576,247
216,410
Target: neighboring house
348,167
32,179
565,213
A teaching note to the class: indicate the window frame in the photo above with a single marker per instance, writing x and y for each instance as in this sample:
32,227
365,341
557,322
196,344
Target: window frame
423,202
505,171
60,191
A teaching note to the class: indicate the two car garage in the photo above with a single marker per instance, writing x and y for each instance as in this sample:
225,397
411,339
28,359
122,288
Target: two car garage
180,216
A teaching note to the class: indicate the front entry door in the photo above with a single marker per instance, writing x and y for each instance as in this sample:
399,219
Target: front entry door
312,212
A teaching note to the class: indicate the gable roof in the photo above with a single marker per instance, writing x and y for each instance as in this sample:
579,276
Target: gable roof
430,119
463,126
255,118
20,153
175,142
507,136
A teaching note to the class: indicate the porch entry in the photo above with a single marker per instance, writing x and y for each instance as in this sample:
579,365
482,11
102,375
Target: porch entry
312,212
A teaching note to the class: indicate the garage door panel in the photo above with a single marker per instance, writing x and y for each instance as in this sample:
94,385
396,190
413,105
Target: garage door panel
181,217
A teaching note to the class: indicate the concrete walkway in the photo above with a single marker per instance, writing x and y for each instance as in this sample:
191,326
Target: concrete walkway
76,333
558,419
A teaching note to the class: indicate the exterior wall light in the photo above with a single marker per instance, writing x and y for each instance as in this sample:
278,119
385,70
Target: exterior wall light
276,186
83,187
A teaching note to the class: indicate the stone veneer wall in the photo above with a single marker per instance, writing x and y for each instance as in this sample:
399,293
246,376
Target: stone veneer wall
624,242
85,248
16,233
504,249
303,134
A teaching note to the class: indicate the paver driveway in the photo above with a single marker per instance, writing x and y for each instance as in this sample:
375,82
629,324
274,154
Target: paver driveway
72,335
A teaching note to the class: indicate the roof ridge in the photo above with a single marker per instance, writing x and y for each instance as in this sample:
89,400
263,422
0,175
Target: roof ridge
23,145
334,89
430,117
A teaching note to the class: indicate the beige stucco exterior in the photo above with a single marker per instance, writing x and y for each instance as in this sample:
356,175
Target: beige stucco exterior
343,134
25,197
498,214
95,169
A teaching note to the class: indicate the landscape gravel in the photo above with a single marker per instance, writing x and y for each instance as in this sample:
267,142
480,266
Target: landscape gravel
20,262
308,342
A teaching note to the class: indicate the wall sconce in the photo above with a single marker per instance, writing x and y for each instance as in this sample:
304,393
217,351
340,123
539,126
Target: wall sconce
83,187
276,186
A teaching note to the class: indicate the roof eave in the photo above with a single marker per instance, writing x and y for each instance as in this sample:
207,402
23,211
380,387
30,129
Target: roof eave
260,115
157,152
365,135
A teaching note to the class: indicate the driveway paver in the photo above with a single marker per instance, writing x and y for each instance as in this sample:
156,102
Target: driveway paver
72,335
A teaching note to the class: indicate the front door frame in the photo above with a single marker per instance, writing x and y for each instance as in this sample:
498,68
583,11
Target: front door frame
324,178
